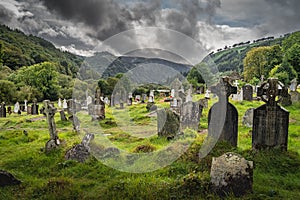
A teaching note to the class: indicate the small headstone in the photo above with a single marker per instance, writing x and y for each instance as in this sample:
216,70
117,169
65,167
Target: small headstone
190,115
59,103
7,179
65,105
144,98
168,123
295,97
34,108
248,118
172,93
223,109
151,96
9,110
29,110
80,152
106,101
62,115
293,86
231,173
270,121
50,111
16,107
247,92
98,109
89,100
207,94
137,97
2,110
25,103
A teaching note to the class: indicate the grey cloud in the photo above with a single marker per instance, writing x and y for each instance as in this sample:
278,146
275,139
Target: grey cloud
5,14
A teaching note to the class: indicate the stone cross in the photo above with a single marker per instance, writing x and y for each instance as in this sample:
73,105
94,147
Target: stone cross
270,121
50,111
223,116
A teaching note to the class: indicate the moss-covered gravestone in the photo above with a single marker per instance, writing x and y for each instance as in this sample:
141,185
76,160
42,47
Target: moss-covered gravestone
168,123
223,116
270,121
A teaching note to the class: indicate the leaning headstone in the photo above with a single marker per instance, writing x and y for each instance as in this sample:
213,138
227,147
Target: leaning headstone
248,118
50,111
231,173
80,152
190,115
168,123
247,92
223,116
270,121
72,109
62,115
7,179
293,86
16,107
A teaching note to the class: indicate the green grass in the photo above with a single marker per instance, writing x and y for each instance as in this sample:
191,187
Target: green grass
50,176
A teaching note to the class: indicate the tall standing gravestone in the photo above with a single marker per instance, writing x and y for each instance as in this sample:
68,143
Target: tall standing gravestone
247,92
223,116
190,115
34,108
270,121
49,111
98,109
3,110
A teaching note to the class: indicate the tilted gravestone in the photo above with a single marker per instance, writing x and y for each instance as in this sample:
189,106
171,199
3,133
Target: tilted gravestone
247,92
62,115
270,121
49,111
80,152
231,173
223,116
168,123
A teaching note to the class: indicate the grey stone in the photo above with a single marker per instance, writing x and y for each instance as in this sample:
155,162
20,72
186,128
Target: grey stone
248,118
247,92
80,152
190,115
231,173
62,115
2,110
7,179
295,96
34,108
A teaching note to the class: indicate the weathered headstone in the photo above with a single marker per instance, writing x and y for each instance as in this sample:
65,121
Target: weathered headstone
65,105
80,152
231,173
34,108
130,97
168,123
293,86
50,111
25,104
62,115
295,96
16,107
247,92
223,111
89,100
144,98
59,103
2,110
270,122
190,115
9,110
248,118
72,109
98,109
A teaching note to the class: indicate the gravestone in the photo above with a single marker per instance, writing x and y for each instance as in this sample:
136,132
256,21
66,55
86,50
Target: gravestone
98,109
130,97
231,173
80,152
207,94
168,123
28,110
9,110
144,98
106,101
62,115
295,96
89,100
151,96
223,111
190,115
25,104
7,179
2,110
72,109
247,92
293,86
248,118
34,108
65,105
270,122
59,103
16,107
50,111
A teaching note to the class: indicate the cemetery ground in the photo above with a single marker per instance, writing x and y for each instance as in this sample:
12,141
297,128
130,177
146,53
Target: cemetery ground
50,176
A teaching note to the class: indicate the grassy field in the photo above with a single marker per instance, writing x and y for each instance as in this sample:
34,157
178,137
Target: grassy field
50,176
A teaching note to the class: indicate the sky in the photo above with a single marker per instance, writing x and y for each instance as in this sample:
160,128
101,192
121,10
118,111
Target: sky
79,26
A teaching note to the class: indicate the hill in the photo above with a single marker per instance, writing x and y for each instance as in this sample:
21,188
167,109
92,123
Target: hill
21,50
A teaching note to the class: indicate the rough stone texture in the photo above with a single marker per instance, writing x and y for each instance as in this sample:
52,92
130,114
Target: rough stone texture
80,152
231,173
34,108
247,92
29,110
190,115
295,96
248,118
7,179
223,116
168,123
62,115
271,122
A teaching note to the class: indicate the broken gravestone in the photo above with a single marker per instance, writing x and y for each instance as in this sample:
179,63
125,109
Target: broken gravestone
49,111
80,152
7,179
231,173
223,116
168,123
270,122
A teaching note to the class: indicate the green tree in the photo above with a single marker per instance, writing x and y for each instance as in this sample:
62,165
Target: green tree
293,57
260,60
294,38
7,91
194,77
284,72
